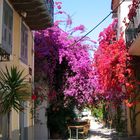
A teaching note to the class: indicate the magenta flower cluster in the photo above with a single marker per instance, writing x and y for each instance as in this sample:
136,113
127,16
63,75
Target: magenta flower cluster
55,44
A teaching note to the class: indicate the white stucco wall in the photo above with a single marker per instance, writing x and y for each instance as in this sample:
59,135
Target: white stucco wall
40,127
123,13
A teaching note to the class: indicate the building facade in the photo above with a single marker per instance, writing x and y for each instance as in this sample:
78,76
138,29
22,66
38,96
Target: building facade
133,45
17,21
132,39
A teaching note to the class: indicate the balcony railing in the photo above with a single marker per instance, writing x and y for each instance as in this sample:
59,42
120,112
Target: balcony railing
131,34
38,14
50,5
133,29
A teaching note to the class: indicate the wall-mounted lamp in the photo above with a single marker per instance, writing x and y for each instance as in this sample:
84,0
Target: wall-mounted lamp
24,14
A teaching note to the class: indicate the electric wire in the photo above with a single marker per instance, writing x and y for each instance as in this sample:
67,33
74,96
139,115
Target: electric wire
98,23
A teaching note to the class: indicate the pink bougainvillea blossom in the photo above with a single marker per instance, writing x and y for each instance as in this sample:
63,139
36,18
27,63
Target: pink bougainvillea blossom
78,28
132,9
58,3
59,7
34,97
110,64
54,44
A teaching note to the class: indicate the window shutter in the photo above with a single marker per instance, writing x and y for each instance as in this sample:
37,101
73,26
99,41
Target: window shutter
7,28
24,44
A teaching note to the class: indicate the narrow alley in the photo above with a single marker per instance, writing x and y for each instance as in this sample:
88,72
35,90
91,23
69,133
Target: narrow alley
69,70
98,132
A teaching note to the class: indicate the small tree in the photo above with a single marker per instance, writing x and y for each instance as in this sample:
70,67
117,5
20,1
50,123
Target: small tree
13,89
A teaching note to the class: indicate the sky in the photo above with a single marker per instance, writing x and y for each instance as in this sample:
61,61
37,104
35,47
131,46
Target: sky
89,13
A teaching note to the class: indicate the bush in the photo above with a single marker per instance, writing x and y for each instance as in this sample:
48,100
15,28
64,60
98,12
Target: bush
98,113
58,119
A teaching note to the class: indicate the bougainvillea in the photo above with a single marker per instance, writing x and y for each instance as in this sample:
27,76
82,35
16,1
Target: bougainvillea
133,81
65,65
45,56
54,45
108,73
110,64
116,72
133,7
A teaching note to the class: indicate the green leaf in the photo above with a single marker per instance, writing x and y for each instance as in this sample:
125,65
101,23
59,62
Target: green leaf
13,89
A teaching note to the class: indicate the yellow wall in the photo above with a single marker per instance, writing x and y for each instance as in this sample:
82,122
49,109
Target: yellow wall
15,60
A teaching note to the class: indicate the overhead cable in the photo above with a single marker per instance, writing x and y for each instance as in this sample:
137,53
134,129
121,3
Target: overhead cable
98,23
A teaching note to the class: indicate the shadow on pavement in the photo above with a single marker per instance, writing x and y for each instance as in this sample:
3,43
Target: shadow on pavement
109,136
99,134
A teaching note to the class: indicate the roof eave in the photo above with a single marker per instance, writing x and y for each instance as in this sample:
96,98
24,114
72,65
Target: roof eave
36,11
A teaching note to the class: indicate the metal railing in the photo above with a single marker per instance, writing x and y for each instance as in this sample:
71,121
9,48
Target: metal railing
50,5
131,34
133,29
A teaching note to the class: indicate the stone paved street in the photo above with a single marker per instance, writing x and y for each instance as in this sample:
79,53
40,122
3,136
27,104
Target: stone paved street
97,132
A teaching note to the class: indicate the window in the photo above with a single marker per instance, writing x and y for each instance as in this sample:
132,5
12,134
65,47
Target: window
24,44
7,27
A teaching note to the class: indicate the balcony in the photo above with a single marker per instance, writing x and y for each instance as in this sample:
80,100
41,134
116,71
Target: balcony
38,14
132,34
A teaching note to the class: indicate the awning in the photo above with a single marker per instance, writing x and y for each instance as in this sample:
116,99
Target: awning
38,14
135,47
